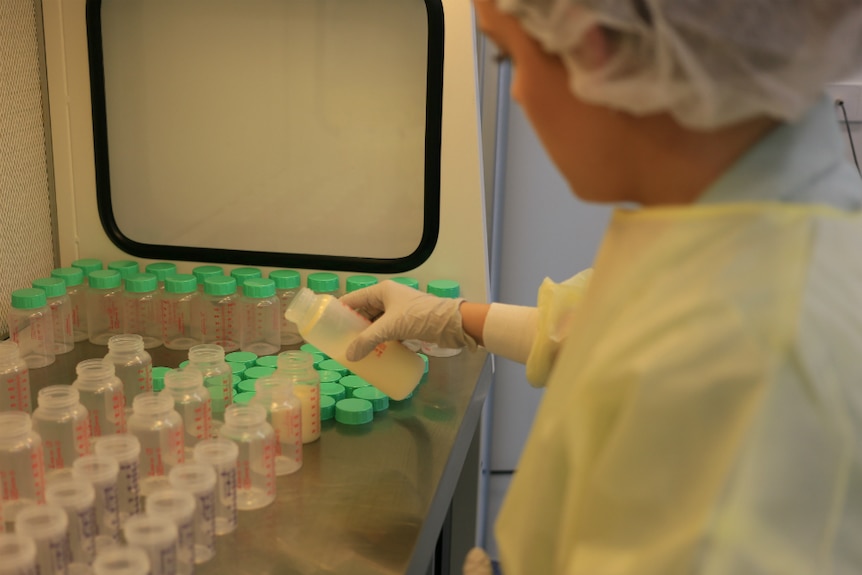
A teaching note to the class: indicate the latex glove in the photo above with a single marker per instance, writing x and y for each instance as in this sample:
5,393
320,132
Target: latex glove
477,563
407,313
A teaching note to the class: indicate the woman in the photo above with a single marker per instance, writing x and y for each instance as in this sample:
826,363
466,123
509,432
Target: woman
703,411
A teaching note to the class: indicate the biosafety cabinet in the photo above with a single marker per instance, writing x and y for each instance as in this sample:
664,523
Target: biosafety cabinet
338,135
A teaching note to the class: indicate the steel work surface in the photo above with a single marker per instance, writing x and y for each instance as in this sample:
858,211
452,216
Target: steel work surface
369,499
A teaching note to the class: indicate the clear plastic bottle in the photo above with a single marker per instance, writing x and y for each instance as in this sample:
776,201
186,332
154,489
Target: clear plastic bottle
17,554
199,479
14,379
287,283
161,270
203,273
159,428
297,367
77,292
219,313
445,289
48,526
127,268
260,317
61,312
102,473
221,454
179,307
132,365
141,306
87,266
193,402
125,450
179,507
64,426
209,359
284,413
243,274
22,467
330,325
324,283
78,498
104,306
31,327
101,392
122,560
247,426
353,283
157,537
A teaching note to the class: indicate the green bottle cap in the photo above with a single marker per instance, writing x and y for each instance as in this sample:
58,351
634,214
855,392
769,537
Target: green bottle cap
425,359
353,411
29,298
184,364
105,279
379,400
286,279
72,276
317,359
327,376
125,267
258,288
243,274
308,348
243,398
219,285
333,390
161,270
53,287
351,383
87,265
142,283
322,282
159,377
332,365
444,288
237,368
267,361
354,283
181,283
246,386
235,381
409,282
327,408
256,372
245,357
202,273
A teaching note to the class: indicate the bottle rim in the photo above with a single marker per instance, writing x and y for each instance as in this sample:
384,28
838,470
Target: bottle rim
71,494
9,350
126,342
206,353
193,476
122,447
216,451
183,379
18,551
123,559
14,424
244,415
57,397
175,504
146,530
95,369
95,468
41,521
294,360
152,403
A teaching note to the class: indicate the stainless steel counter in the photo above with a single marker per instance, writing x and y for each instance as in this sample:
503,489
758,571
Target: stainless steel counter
369,499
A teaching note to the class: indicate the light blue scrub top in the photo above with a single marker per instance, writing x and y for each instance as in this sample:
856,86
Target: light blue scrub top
802,162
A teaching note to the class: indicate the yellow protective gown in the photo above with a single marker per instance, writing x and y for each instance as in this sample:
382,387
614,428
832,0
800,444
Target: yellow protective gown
704,413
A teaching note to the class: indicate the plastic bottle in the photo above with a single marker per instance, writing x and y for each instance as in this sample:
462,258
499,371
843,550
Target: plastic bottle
297,367
203,273
157,537
199,479
17,554
64,426
132,365
127,268
101,392
445,289
247,426
61,312
78,498
324,283
141,306
102,473
104,307
209,359
243,274
179,507
353,283
87,266
219,313
161,270
48,526
125,450
287,283
179,307
77,292
159,428
330,325
31,327
221,454
22,467
14,379
193,402
122,560
260,317
284,413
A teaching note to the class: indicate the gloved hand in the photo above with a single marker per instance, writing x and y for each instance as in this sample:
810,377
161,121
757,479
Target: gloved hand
477,563
406,314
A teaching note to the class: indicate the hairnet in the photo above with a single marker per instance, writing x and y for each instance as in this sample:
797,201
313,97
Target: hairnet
709,63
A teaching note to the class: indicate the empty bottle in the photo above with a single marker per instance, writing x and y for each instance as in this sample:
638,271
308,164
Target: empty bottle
64,426
221,454
199,479
61,312
104,306
78,498
14,379
48,525
77,292
103,474
246,425
243,274
179,507
141,306
31,327
287,283
17,554
179,309
132,365
209,359
159,429
22,466
284,413
219,313
157,537
297,368
203,273
125,450
101,392
260,317
193,402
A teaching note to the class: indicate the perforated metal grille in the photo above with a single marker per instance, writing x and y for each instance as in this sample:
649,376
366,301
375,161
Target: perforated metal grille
26,241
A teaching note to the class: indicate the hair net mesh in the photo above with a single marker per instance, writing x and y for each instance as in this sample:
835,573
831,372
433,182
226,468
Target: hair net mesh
709,63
